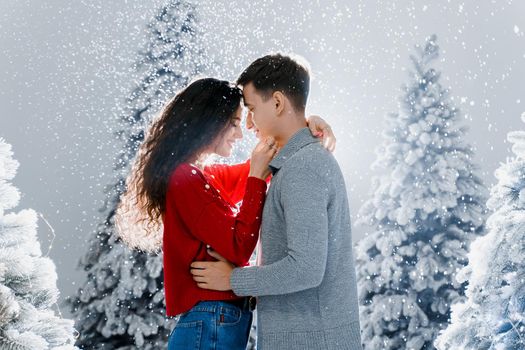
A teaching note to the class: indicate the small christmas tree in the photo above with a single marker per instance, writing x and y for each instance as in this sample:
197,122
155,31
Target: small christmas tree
425,209
28,288
121,305
493,315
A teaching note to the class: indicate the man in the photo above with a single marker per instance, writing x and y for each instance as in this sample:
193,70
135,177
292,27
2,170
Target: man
305,279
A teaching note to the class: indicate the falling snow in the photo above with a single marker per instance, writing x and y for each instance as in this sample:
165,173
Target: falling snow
68,66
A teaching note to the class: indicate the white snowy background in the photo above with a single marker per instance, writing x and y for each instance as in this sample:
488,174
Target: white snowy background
66,64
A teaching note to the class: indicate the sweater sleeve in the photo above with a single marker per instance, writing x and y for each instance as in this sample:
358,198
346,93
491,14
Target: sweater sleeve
304,197
210,219
233,178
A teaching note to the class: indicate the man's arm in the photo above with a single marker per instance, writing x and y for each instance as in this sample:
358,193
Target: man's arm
304,198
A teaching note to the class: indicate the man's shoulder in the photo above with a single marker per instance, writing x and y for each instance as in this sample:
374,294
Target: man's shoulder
312,163
311,157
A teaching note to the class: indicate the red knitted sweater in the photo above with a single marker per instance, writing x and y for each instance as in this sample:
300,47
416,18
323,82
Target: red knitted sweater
201,211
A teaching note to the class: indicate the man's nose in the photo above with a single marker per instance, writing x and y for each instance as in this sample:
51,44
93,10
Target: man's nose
249,121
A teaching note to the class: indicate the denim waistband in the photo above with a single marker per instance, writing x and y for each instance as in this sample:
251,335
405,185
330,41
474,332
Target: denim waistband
245,304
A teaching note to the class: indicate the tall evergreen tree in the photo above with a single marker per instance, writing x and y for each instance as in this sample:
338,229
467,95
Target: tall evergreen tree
28,288
121,304
426,207
493,315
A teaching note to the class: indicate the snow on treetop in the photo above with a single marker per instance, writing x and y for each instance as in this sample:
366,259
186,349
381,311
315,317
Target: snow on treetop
9,195
8,165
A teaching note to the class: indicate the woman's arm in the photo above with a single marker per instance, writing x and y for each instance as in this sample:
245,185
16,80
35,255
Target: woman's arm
211,220
320,128
233,177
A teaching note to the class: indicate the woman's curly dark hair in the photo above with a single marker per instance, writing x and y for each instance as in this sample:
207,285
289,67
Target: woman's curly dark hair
195,118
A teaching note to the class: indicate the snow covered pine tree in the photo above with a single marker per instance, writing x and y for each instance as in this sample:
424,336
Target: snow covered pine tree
121,304
493,315
27,279
425,209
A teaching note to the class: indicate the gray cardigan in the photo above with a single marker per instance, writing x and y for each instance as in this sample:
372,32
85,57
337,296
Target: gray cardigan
305,281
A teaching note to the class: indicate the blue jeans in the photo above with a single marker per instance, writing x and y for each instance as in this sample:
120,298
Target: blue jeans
212,325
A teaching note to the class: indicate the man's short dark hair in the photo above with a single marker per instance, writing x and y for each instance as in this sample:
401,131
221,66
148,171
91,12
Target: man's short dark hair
277,72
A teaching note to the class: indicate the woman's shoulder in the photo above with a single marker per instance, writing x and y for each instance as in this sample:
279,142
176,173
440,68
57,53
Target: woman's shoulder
188,179
186,173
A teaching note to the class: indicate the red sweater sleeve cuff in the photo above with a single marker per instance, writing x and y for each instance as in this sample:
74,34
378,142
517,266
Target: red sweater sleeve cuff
256,185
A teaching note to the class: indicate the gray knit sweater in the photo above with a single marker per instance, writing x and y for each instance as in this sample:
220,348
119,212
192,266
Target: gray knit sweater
305,281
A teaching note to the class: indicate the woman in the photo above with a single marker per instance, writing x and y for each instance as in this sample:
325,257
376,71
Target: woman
170,188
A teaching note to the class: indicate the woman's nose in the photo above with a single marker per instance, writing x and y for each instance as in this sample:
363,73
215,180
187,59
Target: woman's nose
238,133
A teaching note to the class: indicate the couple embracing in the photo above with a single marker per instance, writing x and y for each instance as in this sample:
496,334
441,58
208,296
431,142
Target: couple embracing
293,202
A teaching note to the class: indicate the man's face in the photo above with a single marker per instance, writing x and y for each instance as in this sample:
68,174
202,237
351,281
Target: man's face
261,114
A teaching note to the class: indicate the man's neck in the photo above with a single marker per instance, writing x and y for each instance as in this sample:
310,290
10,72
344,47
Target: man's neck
293,125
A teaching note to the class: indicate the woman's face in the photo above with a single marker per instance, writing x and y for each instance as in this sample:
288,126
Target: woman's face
224,145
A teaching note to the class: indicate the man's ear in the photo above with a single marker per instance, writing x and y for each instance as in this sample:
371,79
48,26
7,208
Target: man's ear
279,100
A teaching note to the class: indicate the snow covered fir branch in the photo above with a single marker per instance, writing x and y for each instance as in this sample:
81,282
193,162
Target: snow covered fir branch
426,208
28,290
492,316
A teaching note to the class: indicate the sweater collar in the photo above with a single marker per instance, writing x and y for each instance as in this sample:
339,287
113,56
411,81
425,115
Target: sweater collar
300,139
